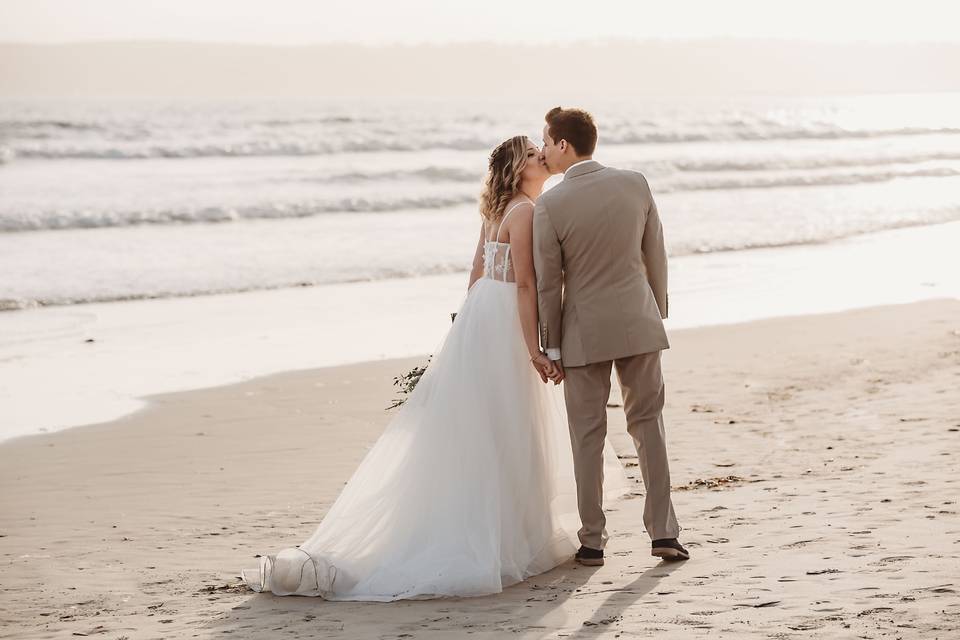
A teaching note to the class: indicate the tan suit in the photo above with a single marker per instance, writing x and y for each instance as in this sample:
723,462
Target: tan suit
602,283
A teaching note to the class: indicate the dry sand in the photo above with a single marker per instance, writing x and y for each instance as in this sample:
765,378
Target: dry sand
842,433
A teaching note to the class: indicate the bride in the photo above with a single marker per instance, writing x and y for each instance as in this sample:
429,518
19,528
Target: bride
470,488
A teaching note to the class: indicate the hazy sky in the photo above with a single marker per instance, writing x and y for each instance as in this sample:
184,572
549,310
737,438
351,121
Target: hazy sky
415,21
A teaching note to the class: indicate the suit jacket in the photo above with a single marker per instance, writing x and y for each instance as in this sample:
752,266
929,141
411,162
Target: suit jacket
601,266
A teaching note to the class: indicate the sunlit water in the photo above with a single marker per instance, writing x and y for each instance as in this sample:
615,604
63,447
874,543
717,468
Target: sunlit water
770,207
112,201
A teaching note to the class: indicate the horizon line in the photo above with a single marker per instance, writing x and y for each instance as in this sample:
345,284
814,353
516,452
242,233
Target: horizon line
498,43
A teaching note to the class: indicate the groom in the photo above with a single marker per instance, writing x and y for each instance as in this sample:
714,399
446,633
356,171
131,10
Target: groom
602,294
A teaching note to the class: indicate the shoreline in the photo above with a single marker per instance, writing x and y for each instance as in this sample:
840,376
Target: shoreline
840,429
403,364
100,360
12,305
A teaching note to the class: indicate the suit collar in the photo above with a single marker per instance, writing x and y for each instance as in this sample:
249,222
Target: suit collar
582,168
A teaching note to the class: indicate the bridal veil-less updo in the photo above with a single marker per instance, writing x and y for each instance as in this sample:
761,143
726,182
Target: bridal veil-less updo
504,175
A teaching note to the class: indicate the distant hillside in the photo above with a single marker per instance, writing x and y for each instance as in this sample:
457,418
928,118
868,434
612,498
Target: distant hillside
613,69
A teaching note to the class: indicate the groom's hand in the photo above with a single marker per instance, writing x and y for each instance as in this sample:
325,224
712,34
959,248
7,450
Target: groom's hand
559,374
544,367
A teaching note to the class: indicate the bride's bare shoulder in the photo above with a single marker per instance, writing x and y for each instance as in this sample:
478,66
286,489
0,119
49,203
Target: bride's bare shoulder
519,204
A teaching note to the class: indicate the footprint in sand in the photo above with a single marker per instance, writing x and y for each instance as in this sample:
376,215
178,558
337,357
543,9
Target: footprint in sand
890,560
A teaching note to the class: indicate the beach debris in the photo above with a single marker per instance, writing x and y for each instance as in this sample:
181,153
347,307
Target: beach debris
701,408
891,559
941,589
604,621
818,572
235,587
709,483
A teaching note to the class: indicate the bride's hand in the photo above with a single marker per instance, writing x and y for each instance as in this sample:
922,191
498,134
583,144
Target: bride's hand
544,367
538,365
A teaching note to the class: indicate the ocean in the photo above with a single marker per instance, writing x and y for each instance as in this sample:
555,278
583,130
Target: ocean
104,201
151,247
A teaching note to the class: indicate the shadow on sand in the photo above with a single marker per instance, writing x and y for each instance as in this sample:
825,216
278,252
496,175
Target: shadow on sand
571,599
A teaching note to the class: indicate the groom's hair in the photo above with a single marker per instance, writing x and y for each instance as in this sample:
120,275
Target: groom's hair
575,126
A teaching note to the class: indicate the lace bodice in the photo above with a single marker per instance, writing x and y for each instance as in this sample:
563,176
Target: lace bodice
497,264
496,261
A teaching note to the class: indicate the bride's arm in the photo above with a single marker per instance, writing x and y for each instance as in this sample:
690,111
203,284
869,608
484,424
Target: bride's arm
521,248
477,271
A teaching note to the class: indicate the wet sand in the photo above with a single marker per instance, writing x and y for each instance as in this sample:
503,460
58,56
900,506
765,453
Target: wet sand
815,463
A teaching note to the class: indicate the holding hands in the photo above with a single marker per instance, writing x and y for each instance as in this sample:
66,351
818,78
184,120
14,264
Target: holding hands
547,368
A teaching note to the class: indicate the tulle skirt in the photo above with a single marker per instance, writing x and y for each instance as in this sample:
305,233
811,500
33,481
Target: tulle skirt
468,490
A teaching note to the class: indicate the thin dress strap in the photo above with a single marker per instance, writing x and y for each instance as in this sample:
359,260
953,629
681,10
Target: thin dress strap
504,218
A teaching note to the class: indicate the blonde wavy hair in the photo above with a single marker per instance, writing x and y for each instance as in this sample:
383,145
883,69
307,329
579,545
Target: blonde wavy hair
503,177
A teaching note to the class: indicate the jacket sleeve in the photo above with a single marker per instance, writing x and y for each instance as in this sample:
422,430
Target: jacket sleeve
548,262
654,253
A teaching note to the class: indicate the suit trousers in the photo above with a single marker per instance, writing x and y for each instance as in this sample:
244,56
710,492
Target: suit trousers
586,392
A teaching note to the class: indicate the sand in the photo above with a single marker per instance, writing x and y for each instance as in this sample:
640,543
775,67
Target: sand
815,462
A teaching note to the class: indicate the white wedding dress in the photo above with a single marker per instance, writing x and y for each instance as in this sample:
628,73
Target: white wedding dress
468,490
